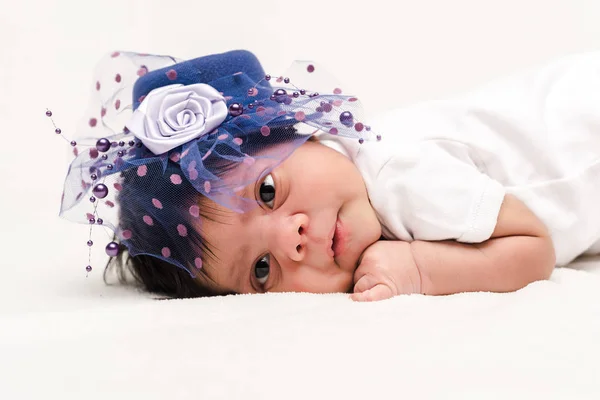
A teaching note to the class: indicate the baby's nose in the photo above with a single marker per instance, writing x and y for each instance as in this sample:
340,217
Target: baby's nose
291,236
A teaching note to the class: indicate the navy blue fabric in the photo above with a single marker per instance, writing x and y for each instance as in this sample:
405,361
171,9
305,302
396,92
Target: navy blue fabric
201,70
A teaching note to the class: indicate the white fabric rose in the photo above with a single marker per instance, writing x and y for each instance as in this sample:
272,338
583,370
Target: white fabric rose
173,115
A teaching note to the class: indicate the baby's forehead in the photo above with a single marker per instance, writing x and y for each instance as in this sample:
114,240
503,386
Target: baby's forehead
237,195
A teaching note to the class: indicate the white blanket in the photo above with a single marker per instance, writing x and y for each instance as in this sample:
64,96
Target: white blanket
540,342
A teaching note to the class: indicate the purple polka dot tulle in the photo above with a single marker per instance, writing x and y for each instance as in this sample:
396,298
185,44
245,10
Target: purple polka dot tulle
151,201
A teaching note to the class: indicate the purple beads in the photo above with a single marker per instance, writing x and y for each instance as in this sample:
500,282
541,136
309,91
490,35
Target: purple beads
100,190
73,143
346,118
109,167
99,221
267,78
48,113
90,243
361,140
112,249
131,143
279,95
121,143
92,221
88,268
103,145
93,177
57,131
104,157
378,137
302,92
120,153
236,109
92,199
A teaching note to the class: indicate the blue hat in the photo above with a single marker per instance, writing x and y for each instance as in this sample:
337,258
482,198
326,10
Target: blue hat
200,70
160,133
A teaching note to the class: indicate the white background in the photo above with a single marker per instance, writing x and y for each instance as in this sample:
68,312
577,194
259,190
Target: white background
390,53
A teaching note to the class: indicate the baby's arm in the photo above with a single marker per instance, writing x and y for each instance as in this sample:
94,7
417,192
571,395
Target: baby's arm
519,252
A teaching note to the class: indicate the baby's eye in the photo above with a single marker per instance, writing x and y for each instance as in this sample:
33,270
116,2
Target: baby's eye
261,269
267,191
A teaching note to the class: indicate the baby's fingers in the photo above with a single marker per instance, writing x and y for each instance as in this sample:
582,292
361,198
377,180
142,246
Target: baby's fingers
376,293
365,282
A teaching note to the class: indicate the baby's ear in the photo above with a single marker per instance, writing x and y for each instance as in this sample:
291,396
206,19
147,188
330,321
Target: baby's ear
313,138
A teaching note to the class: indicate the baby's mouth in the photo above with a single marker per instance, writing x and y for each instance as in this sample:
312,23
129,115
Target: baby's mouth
338,242
333,243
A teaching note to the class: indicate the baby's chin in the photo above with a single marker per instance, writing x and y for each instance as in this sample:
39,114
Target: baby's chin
343,287
349,289
366,234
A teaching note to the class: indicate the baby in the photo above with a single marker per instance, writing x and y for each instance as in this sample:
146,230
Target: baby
236,182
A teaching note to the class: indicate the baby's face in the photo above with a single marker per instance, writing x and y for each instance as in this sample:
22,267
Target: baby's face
314,222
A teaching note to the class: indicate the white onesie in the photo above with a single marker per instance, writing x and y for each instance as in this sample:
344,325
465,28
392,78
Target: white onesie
442,168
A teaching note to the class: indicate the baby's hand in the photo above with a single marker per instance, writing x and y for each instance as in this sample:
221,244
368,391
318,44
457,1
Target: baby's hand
386,269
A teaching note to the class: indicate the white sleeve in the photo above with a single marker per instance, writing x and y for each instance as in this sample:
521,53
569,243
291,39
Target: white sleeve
434,191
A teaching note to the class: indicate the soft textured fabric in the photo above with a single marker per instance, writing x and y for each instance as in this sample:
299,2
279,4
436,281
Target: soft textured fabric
175,114
443,168
97,342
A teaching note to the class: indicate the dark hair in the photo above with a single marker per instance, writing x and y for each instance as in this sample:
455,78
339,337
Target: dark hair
156,276
148,272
